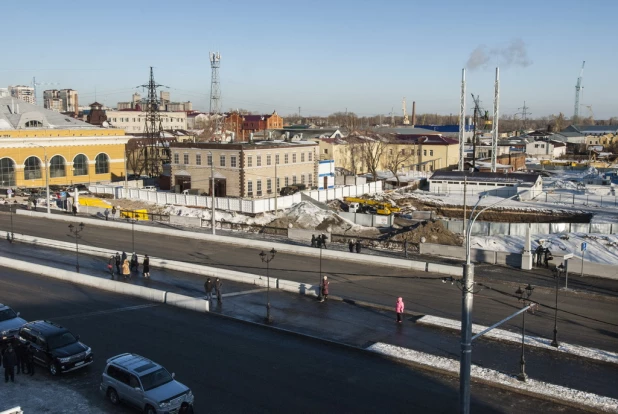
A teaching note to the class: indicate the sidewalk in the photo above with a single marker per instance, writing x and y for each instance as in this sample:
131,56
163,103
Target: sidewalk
354,325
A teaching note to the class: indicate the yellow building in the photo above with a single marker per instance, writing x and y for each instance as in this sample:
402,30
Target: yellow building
76,152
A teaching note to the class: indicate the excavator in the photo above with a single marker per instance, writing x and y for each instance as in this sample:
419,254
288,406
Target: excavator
363,205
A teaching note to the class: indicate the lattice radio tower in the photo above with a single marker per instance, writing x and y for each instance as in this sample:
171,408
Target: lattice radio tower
156,151
215,91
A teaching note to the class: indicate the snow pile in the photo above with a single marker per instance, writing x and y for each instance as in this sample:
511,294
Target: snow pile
507,336
601,248
531,386
307,216
560,184
221,215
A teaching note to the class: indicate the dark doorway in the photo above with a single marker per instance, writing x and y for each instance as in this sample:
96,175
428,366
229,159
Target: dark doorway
325,182
184,181
220,187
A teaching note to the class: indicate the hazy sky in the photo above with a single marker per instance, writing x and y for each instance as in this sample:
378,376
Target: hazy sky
323,56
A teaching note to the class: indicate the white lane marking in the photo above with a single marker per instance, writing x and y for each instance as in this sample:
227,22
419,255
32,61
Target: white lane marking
105,312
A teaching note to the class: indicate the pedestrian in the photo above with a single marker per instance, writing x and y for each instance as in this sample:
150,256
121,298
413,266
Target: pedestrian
405,248
548,256
106,213
126,269
208,288
313,241
74,208
9,360
21,354
324,238
358,246
30,358
118,263
324,289
351,246
34,202
113,212
399,309
538,253
146,266
124,256
134,262
185,408
218,286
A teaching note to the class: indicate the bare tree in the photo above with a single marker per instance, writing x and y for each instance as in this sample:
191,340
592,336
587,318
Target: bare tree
397,158
372,150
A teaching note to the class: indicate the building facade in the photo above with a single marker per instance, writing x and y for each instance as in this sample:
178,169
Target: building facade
242,169
63,100
254,123
133,122
25,93
76,152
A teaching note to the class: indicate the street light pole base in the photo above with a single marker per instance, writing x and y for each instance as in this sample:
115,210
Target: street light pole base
522,377
555,343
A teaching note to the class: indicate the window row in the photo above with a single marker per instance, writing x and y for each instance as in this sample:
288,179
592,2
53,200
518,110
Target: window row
57,168
164,120
234,159
304,179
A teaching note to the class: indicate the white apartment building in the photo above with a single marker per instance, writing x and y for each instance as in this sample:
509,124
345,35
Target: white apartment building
134,121
545,150
4,93
25,93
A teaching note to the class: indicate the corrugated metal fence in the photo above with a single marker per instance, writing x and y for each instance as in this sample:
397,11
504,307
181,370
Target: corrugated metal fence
519,229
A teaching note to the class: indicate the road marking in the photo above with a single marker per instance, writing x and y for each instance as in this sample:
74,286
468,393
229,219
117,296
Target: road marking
105,312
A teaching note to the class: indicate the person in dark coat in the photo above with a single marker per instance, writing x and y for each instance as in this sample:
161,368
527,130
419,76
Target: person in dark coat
208,285
185,408
324,289
113,212
146,266
358,246
21,353
547,257
351,246
124,256
324,238
9,360
538,252
134,262
118,263
218,286
30,359
313,241
74,210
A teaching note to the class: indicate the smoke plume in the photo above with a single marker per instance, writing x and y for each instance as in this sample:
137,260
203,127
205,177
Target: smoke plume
513,54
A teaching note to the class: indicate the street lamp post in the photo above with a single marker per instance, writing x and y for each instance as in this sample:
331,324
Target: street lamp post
524,296
212,190
132,220
11,237
557,273
46,176
267,259
75,231
465,365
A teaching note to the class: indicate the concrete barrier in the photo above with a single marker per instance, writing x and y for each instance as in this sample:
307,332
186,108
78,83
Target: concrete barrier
444,270
187,302
186,221
305,235
306,251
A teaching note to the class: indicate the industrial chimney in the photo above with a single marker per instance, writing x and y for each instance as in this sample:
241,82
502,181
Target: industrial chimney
413,113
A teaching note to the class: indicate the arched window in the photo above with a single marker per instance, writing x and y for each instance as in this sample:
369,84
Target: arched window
34,124
7,172
101,164
57,167
32,168
80,165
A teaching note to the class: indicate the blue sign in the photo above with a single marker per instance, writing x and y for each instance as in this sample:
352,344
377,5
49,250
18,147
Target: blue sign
584,246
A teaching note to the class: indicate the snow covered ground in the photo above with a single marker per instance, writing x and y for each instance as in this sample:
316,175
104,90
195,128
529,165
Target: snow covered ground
531,386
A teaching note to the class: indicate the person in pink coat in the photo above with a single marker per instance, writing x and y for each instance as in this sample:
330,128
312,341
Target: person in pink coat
399,309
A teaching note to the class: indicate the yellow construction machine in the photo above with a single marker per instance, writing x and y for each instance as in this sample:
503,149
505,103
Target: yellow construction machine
363,205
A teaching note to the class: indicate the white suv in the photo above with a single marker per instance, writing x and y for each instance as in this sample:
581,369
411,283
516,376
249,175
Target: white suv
143,384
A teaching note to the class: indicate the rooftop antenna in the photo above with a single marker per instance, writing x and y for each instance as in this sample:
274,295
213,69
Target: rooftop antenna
215,90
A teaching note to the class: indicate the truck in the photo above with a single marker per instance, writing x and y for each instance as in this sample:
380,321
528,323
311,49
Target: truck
364,205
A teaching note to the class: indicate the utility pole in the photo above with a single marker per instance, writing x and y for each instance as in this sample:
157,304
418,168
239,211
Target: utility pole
494,138
462,120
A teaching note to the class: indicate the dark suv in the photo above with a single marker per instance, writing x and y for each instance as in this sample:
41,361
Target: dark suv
55,347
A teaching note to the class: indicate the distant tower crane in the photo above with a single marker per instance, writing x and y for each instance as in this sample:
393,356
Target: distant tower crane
578,88
406,121
35,84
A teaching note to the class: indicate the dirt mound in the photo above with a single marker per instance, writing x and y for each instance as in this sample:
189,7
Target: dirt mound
433,232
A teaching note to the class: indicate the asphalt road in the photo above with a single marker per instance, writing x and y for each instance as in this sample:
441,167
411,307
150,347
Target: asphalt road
233,366
592,322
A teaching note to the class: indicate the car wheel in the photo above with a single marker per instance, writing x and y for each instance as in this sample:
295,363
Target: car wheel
150,410
112,395
53,369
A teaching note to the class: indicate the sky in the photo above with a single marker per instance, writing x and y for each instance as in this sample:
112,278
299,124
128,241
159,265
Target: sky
321,56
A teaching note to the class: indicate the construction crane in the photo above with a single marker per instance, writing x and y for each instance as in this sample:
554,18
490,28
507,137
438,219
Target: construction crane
589,111
35,84
363,205
578,88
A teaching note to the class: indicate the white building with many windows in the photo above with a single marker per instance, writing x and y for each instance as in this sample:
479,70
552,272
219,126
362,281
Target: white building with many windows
133,122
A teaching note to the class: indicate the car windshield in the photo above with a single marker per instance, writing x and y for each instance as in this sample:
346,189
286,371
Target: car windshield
61,340
6,314
156,379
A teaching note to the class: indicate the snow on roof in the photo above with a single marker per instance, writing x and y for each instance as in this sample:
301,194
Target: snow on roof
486,177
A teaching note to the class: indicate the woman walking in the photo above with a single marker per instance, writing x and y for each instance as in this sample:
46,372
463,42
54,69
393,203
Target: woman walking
126,269
146,266
399,309
324,289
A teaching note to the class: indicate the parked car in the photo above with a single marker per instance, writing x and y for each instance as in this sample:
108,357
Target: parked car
144,384
10,322
55,347
81,189
150,188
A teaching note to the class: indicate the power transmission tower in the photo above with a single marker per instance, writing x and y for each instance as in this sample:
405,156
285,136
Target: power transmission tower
215,91
524,114
156,152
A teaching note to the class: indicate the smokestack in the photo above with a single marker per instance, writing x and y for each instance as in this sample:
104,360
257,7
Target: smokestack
413,113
